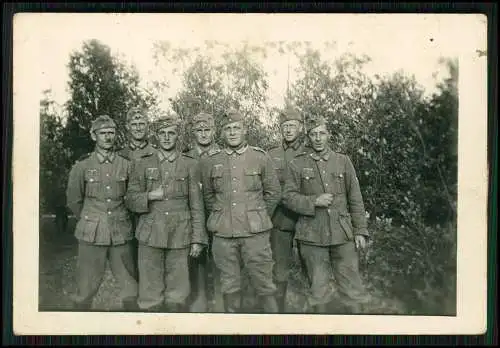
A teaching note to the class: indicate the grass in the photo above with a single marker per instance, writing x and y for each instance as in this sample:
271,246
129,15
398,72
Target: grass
58,256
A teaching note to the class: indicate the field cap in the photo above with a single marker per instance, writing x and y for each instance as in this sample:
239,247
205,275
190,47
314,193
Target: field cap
103,121
289,114
136,113
232,116
203,119
168,120
315,122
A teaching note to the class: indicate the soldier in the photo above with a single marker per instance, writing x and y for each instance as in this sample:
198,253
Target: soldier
204,132
322,187
95,194
241,191
284,219
165,189
137,126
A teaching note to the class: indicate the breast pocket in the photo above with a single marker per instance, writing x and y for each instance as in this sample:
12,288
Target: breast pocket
253,180
338,183
217,178
120,186
152,177
308,180
92,183
181,183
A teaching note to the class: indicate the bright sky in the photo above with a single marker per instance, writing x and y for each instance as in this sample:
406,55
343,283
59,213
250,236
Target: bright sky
410,42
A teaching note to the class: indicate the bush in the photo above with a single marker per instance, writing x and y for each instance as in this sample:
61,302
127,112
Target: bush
413,263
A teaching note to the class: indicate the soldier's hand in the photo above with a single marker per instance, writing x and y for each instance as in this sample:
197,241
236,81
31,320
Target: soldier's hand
156,194
196,250
324,200
360,241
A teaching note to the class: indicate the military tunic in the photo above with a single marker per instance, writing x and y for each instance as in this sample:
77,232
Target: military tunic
135,152
95,194
241,191
284,219
325,235
167,227
201,266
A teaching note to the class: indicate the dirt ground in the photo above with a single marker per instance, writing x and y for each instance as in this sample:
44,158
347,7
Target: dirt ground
58,254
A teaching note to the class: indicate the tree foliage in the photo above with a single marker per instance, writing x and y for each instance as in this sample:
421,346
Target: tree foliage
54,157
403,142
99,84
236,80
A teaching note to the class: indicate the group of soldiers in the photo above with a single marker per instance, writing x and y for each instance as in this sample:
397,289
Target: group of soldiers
166,219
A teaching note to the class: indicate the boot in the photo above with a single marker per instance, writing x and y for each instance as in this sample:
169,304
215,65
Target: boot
82,306
321,308
129,304
171,307
269,304
232,302
281,296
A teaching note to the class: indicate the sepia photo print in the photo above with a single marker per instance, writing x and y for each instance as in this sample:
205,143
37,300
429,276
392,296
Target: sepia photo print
210,173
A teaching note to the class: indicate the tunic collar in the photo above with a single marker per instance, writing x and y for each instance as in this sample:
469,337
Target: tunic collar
170,157
102,158
321,156
239,151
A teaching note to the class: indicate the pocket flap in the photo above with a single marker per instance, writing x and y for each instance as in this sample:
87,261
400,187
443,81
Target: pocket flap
217,171
92,175
278,163
152,173
252,171
339,176
90,217
308,173
255,207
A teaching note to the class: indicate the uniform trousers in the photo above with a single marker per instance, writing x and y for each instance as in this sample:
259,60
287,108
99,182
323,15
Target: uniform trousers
282,248
343,259
92,266
204,276
254,253
163,277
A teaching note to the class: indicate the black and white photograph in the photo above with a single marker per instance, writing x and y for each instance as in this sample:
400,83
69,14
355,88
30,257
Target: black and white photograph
249,173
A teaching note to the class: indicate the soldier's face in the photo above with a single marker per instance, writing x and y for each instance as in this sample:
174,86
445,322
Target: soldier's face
104,138
204,135
319,138
234,133
291,130
167,137
138,128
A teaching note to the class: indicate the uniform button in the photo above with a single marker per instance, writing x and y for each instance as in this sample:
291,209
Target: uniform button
326,184
234,179
86,217
108,187
234,167
109,212
91,180
166,213
107,174
329,211
108,200
166,198
234,191
324,172
234,204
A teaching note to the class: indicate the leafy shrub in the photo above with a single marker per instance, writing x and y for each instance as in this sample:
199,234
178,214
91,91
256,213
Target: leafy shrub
414,263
